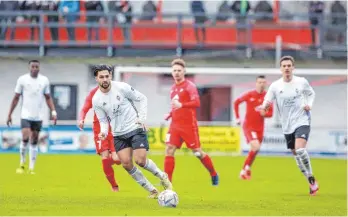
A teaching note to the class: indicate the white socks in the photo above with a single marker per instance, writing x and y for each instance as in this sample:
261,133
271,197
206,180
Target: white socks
139,177
33,151
23,152
152,167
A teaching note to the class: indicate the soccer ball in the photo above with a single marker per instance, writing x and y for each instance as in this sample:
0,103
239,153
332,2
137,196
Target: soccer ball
168,198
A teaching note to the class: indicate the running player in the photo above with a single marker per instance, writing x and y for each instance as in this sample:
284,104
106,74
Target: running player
34,88
103,148
114,103
294,98
184,127
253,125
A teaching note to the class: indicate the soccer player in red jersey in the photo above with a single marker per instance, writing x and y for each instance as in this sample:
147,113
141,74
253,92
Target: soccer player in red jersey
104,148
253,125
184,127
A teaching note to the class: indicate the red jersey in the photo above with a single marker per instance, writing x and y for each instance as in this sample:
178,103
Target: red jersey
253,100
186,93
88,105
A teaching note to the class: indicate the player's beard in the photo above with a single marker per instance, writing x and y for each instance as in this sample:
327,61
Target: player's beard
105,85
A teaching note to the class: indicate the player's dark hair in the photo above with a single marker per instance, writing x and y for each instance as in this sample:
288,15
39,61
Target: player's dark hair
34,61
179,62
261,76
287,58
102,67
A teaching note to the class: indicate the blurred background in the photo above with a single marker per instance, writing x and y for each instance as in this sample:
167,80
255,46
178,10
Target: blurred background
226,45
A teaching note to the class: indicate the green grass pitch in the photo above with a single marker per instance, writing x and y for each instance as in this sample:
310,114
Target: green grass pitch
75,185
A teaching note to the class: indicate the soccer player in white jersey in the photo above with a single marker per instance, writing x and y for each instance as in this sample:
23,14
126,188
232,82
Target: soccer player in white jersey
294,98
34,88
114,103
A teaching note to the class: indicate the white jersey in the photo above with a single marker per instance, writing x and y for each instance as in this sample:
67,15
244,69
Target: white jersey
290,99
32,91
117,108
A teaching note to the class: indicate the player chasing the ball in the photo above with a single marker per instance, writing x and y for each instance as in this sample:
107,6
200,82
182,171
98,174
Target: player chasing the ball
253,125
113,103
34,88
294,99
105,148
184,127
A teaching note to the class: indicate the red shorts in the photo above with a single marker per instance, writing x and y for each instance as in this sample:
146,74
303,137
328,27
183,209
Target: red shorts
103,145
251,134
176,136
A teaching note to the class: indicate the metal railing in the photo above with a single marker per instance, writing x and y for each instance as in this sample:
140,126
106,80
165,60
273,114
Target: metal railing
8,23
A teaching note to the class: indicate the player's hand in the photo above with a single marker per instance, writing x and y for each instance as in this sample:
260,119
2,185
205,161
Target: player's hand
176,104
9,121
307,108
238,122
143,126
263,112
81,124
102,136
54,117
167,116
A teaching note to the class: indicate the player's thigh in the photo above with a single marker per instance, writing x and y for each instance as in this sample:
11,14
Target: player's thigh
301,136
191,138
25,125
174,138
140,146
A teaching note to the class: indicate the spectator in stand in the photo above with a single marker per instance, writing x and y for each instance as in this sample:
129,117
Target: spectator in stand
241,9
224,12
92,19
339,18
52,7
316,9
124,17
198,11
33,17
68,11
149,11
263,11
7,21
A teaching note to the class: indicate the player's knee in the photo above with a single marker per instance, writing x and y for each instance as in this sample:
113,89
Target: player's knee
199,153
34,141
170,150
140,162
25,141
127,165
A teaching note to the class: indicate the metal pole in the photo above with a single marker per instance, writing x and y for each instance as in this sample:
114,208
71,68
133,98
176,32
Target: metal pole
41,36
178,36
278,50
110,48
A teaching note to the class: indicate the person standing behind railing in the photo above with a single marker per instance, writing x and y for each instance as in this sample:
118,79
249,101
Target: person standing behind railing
224,12
6,22
124,17
316,9
68,11
241,8
93,6
149,11
339,18
198,11
52,7
33,17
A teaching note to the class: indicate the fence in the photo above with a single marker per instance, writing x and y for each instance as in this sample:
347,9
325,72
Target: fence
181,32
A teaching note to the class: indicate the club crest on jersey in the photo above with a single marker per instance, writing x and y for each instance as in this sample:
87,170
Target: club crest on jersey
181,90
118,98
132,88
104,103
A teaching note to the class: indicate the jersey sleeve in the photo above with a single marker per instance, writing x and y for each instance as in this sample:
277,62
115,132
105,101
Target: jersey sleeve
102,117
19,86
270,95
47,87
308,93
134,95
238,101
194,97
88,104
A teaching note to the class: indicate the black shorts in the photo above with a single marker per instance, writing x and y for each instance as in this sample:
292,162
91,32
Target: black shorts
300,132
33,125
135,139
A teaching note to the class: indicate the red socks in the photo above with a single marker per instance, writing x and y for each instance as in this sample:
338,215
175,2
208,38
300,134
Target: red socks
250,159
109,171
206,161
169,164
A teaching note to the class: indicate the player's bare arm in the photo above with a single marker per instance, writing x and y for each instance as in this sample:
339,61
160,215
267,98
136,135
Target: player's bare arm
50,104
14,103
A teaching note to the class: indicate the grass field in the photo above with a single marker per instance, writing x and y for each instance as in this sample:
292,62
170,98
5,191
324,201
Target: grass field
75,185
